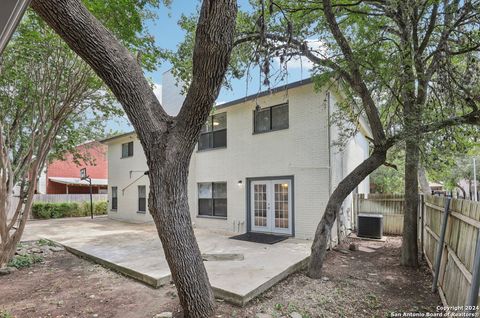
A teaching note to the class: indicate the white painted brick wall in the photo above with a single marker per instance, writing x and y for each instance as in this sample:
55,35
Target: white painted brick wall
301,151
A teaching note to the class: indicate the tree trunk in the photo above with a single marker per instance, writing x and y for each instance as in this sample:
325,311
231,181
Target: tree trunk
168,204
344,188
167,141
422,178
16,227
464,193
7,251
409,255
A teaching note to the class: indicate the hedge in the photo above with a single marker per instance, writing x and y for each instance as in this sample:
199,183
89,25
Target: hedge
45,210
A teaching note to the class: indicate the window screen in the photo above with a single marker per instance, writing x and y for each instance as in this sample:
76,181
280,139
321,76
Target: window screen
142,199
214,132
212,199
127,149
271,118
114,198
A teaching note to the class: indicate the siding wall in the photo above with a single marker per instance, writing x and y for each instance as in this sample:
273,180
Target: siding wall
300,151
127,183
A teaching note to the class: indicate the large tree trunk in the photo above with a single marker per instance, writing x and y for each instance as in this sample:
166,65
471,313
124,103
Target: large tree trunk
168,204
344,188
409,255
167,141
422,178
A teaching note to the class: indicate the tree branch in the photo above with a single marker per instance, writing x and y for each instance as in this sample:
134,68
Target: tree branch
472,118
95,44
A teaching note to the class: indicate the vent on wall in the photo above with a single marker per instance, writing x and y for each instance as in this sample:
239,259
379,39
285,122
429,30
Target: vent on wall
370,225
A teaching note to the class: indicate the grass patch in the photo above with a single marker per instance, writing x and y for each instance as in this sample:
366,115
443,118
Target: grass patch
43,242
372,301
5,314
22,261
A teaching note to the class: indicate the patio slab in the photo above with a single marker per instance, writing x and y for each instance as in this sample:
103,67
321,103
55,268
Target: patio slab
135,250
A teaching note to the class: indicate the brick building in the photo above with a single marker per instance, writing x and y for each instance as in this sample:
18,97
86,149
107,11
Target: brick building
63,176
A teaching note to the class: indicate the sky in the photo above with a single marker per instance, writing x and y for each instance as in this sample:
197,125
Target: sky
168,35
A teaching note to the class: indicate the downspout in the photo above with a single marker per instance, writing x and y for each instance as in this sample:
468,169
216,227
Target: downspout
329,146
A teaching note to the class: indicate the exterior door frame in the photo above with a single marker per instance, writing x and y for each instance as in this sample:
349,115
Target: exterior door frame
249,199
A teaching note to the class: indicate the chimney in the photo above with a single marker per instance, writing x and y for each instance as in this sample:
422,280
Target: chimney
172,98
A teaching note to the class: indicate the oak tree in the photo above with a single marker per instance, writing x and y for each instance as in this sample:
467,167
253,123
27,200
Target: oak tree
168,142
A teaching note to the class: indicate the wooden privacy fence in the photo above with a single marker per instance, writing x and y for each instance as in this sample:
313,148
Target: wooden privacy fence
58,198
456,263
456,267
391,206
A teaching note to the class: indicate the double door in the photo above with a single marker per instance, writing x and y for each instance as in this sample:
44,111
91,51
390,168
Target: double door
271,206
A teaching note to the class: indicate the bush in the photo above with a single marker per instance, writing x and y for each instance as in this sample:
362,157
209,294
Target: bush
44,210
21,261
100,207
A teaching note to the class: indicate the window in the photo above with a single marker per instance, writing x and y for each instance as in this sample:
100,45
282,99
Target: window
142,199
212,199
270,118
214,132
114,198
127,149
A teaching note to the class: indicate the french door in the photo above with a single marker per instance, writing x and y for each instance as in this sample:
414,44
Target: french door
271,206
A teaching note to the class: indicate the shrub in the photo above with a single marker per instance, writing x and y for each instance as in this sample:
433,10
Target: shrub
101,207
44,210
27,260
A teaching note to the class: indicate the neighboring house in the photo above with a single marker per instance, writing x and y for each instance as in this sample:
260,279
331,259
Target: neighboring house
62,176
263,163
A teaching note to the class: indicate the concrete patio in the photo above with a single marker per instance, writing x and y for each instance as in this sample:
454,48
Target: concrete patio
135,250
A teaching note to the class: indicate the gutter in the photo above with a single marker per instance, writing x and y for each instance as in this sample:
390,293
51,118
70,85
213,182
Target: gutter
15,10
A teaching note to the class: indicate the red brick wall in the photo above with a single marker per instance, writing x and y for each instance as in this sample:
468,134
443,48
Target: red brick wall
67,168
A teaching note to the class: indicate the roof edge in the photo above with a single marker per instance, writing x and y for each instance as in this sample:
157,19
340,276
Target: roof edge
265,93
110,139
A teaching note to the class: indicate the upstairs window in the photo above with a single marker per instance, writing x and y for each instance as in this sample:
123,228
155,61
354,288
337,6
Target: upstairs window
127,149
270,118
212,199
214,133
142,199
114,198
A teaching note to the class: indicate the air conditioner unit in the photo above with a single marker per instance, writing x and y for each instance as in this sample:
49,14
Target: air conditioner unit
370,225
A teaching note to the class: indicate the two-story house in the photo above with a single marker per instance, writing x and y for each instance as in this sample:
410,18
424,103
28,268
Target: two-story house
263,163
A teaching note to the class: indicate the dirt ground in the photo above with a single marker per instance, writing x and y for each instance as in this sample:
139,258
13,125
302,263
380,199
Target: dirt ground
365,283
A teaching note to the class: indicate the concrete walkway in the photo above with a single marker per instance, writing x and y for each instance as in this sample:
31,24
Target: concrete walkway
135,250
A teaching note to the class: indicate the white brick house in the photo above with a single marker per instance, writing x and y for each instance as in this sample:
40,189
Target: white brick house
263,163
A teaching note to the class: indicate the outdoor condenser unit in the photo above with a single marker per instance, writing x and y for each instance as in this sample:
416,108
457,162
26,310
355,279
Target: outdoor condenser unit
370,225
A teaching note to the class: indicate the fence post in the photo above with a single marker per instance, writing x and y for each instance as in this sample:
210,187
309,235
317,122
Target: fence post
438,257
422,223
472,299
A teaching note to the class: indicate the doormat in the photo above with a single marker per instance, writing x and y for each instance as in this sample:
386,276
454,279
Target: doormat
262,238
